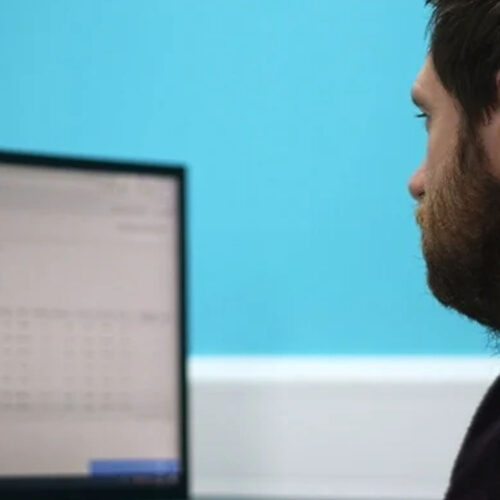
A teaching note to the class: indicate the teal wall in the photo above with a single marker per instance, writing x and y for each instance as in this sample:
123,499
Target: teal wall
295,121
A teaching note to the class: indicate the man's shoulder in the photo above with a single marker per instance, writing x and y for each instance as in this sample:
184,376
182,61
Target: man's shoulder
476,473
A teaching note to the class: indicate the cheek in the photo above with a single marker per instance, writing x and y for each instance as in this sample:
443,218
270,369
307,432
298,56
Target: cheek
441,145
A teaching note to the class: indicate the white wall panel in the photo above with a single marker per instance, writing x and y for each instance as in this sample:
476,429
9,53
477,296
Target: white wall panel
331,427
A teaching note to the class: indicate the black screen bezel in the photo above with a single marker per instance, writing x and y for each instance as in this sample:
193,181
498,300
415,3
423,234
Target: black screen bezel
76,488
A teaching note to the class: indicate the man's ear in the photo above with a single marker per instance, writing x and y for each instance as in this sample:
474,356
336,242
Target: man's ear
490,133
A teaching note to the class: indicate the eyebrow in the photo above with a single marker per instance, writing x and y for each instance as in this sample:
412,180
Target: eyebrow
418,101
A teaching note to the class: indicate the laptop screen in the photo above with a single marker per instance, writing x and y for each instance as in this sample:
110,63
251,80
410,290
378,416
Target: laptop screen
90,324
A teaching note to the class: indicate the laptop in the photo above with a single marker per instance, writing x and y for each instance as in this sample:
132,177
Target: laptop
92,329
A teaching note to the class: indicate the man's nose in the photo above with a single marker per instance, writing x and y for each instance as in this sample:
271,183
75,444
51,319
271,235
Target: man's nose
417,184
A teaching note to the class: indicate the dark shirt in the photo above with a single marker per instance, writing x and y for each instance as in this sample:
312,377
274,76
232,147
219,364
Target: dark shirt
476,473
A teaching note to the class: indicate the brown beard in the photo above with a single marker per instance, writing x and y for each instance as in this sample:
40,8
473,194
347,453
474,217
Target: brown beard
460,221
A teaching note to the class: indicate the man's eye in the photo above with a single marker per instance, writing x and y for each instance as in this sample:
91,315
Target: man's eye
426,117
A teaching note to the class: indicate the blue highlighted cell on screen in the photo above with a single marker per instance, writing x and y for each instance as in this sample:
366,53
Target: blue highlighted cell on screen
126,467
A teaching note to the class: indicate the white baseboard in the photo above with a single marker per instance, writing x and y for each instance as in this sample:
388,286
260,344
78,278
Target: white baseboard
331,427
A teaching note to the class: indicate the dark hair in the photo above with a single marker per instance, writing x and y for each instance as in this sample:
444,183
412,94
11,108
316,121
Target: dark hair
465,48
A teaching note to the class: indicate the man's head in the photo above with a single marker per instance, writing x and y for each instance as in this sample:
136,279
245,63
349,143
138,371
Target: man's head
458,184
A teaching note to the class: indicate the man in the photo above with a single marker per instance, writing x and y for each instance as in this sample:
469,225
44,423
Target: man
458,192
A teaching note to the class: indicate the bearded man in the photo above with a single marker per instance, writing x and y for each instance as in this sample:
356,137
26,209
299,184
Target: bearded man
458,192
